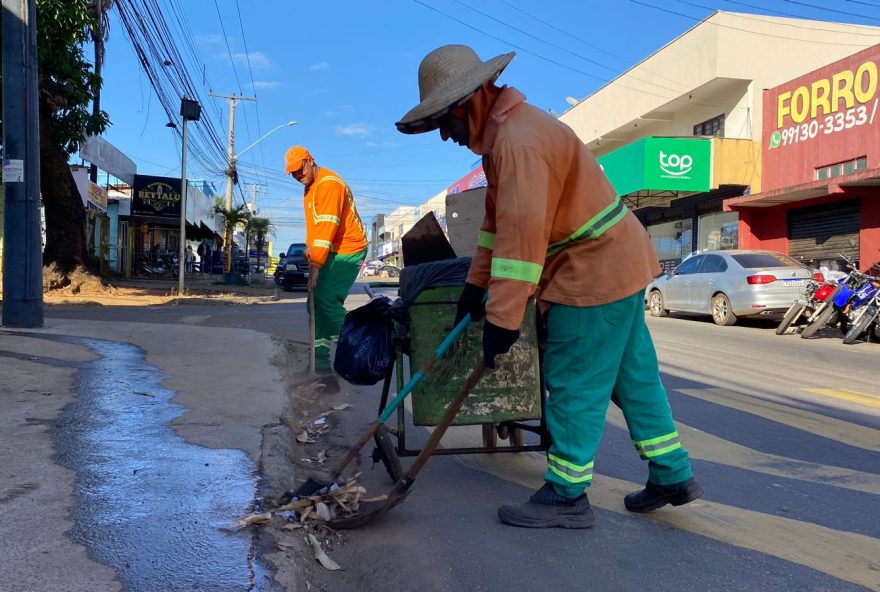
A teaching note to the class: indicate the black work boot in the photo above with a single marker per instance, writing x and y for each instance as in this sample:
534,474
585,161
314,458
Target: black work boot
656,496
548,509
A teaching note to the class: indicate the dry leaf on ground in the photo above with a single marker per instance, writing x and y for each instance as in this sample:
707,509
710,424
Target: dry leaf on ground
321,556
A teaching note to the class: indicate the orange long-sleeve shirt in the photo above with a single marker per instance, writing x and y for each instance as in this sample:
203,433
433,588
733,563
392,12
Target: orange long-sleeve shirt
332,221
544,188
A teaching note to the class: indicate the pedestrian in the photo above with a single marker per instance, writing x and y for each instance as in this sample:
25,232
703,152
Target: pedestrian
555,228
336,246
189,259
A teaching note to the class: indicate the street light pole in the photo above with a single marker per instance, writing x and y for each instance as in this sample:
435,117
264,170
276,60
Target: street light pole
190,111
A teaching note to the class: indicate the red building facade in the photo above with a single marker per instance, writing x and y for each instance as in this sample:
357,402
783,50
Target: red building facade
820,167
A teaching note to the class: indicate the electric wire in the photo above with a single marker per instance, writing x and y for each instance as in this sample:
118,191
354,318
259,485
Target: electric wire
836,11
700,20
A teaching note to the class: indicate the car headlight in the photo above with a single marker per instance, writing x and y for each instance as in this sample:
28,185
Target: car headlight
290,267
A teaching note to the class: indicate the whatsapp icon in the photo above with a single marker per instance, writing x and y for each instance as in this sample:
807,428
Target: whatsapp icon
775,139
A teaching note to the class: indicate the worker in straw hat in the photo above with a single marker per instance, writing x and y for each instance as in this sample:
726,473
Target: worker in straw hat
554,227
337,245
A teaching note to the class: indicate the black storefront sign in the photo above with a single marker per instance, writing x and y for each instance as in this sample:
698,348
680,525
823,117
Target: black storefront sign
156,197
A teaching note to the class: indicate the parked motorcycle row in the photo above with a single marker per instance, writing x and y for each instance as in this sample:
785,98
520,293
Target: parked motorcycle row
851,303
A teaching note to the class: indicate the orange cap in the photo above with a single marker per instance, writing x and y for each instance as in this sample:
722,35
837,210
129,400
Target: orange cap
294,158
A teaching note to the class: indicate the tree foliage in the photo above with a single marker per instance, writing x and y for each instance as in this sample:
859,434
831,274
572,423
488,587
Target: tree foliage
68,86
68,82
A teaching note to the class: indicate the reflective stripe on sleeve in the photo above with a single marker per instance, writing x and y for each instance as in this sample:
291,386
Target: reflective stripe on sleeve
594,227
514,269
486,240
322,243
569,471
326,218
657,446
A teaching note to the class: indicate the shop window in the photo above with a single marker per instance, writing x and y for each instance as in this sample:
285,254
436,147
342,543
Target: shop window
712,127
672,242
718,232
842,168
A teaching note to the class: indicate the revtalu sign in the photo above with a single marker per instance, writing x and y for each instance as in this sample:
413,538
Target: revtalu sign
157,197
829,104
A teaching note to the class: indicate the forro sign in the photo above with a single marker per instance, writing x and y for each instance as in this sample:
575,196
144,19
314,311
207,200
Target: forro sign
824,96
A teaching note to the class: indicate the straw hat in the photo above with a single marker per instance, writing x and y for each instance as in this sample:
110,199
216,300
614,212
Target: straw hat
448,76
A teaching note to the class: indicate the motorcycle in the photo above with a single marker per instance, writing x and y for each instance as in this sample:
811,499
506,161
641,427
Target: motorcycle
864,317
854,290
811,298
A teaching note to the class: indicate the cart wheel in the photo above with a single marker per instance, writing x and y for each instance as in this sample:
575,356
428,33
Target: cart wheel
387,453
515,438
490,436
503,430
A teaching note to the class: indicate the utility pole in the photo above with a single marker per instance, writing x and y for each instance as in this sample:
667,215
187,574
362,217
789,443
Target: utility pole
231,173
22,254
256,187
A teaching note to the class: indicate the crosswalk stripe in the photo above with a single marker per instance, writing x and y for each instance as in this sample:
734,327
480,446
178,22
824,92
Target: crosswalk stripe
814,423
705,446
847,395
845,555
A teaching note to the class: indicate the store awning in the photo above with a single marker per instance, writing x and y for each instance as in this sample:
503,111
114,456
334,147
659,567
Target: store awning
805,191
659,165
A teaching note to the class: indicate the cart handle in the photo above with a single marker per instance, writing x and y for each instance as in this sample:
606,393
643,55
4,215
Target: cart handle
420,374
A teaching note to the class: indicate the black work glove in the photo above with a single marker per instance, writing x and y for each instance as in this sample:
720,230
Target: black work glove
497,341
471,301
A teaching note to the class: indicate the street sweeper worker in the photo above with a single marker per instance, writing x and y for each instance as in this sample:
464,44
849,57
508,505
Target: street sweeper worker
337,245
555,228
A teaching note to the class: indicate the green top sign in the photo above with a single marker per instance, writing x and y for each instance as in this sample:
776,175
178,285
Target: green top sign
660,164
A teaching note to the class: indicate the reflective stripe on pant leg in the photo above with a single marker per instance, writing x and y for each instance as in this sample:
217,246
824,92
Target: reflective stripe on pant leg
579,378
641,396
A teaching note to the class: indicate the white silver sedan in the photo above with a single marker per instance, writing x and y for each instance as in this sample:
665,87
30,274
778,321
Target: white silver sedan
730,284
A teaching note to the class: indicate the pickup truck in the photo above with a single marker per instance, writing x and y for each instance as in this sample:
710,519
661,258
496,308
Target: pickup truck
295,271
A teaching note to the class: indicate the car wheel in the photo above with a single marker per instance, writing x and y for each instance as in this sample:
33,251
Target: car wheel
656,304
722,313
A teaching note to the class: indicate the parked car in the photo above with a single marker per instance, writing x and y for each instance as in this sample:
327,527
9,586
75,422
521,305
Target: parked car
295,272
730,284
388,271
379,269
371,268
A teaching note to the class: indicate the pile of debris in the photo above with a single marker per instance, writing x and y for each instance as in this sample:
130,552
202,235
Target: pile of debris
327,504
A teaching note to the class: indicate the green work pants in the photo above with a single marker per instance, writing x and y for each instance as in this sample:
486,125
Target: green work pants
334,282
594,355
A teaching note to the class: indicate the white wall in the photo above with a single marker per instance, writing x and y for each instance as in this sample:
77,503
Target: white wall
720,65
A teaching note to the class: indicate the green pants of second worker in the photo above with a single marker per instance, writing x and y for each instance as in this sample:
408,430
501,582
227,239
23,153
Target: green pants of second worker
594,355
334,281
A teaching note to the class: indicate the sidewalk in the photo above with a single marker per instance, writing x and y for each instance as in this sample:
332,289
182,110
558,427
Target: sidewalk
198,289
234,397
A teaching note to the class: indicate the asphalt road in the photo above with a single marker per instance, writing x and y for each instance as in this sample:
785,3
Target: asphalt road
784,434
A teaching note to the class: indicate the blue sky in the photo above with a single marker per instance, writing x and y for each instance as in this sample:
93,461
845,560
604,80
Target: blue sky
346,70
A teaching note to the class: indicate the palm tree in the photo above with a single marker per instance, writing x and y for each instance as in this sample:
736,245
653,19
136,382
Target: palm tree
260,228
232,219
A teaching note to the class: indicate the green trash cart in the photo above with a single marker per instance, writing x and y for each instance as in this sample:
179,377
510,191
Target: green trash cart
507,402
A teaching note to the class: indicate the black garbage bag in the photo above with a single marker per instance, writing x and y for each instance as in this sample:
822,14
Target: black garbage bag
416,278
365,352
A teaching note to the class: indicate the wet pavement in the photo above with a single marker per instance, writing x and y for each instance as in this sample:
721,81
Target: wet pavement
149,504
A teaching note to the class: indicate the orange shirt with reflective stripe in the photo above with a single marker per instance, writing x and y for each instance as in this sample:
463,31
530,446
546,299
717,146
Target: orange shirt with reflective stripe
332,221
543,186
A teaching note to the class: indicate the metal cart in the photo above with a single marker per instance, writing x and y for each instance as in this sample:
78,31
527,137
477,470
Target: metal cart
507,402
